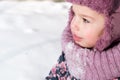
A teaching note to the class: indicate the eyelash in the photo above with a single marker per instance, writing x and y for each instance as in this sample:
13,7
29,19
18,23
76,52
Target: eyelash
84,20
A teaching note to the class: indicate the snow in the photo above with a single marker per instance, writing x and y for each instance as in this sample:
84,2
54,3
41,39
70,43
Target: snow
30,34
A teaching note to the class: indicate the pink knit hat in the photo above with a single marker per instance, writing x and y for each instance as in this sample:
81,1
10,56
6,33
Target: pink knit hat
111,8
102,6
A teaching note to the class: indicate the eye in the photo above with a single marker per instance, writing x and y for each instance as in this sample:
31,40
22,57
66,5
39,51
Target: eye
72,12
85,20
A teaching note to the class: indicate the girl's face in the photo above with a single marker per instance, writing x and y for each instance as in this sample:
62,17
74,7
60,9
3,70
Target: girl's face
86,26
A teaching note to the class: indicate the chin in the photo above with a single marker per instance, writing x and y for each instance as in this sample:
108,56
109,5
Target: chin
84,46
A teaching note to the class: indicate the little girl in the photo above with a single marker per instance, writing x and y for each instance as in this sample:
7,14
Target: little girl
90,42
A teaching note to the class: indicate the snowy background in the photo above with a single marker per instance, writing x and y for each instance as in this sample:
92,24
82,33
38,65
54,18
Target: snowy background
30,34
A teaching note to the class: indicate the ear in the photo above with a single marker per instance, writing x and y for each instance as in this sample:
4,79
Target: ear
111,32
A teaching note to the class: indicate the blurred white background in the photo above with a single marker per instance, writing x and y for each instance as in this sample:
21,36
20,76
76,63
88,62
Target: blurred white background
35,0
30,34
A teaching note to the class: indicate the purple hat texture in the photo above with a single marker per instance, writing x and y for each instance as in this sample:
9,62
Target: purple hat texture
111,8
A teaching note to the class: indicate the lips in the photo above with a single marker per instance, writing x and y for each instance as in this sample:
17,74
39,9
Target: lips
76,38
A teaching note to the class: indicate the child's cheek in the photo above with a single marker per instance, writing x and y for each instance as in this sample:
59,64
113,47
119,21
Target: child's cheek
89,34
91,38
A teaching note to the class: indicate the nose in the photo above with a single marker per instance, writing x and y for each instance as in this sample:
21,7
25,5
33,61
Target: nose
75,25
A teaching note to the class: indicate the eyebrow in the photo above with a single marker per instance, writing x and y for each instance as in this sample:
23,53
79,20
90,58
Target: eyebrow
87,16
83,14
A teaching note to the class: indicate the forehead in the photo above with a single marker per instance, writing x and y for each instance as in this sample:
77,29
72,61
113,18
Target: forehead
84,10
